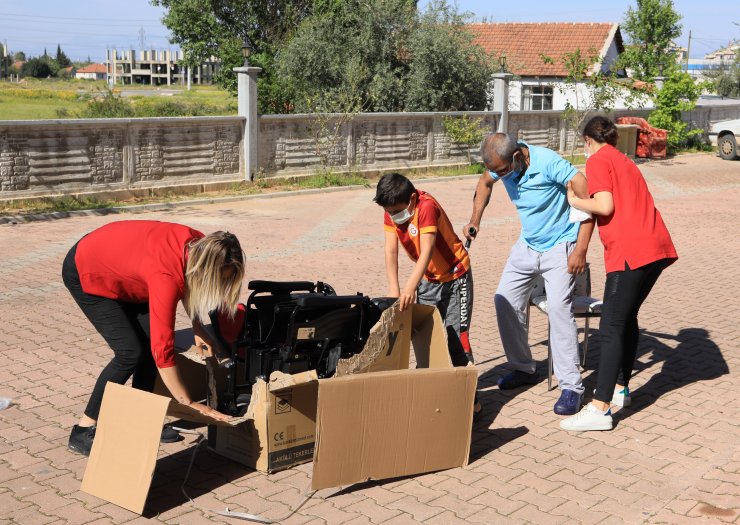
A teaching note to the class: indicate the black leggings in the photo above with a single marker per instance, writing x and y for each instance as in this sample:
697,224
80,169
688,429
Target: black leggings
624,293
125,327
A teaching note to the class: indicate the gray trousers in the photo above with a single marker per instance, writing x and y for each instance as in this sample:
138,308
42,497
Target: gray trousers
512,295
454,300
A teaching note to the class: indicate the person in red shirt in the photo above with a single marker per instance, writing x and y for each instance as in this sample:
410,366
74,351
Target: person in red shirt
128,277
637,248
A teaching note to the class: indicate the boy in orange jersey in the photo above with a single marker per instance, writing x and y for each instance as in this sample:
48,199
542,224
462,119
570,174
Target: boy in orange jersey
442,275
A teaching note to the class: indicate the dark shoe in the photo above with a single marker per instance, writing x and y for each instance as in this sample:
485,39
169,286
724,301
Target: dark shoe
568,404
169,435
81,439
516,379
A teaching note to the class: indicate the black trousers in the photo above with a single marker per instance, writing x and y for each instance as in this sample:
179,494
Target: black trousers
624,293
125,327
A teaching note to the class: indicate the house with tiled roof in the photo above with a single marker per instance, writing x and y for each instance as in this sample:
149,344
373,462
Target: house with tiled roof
93,72
534,54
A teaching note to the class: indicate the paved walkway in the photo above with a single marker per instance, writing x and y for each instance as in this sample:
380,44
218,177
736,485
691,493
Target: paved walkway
674,456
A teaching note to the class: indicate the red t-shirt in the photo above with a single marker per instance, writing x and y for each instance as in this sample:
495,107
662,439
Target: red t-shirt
450,259
634,233
140,262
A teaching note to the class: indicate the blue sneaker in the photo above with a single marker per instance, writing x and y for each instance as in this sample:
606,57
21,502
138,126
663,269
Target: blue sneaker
516,379
568,404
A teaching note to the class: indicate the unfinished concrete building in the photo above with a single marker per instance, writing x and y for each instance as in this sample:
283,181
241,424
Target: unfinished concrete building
156,68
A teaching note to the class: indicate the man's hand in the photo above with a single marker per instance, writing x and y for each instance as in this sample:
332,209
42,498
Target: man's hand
406,299
470,231
577,262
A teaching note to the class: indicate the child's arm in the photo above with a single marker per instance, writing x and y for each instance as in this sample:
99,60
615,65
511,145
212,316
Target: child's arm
408,294
391,263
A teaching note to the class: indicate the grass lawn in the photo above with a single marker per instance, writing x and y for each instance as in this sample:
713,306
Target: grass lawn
34,99
27,109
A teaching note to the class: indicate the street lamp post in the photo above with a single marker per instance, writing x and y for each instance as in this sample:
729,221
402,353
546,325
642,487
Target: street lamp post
247,104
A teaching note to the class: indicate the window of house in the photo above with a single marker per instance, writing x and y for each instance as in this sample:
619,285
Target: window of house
536,98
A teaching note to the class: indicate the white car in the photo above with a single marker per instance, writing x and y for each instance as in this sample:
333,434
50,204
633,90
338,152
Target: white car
724,135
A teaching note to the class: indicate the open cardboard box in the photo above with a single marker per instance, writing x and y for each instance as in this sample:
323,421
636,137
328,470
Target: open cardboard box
375,419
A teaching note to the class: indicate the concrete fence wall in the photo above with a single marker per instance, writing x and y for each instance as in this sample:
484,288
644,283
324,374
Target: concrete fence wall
39,158
294,144
45,158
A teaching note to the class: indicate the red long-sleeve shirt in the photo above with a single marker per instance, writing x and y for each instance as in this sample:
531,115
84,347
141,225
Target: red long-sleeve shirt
140,262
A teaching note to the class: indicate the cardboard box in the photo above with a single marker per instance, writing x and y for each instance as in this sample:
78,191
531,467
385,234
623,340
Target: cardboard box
375,419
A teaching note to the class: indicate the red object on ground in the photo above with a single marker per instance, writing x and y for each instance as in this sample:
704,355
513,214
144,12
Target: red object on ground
651,142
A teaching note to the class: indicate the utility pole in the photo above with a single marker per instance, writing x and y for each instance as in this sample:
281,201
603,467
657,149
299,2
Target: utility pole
688,52
142,38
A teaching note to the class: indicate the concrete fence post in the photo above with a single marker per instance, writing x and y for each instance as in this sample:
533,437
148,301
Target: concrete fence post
247,105
501,99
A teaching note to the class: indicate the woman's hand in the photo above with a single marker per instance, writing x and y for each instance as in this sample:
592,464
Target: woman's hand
210,412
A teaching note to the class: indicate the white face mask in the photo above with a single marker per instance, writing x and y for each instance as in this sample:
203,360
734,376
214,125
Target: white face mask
586,150
402,216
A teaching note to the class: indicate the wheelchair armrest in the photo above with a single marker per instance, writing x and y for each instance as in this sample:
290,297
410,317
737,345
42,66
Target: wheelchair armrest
281,286
333,300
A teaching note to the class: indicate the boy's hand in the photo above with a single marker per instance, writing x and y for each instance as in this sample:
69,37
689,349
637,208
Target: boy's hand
406,299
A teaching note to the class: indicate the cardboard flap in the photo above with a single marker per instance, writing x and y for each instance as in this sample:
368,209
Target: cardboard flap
429,338
386,348
280,381
124,453
390,424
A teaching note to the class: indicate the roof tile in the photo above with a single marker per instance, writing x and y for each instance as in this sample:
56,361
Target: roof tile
525,44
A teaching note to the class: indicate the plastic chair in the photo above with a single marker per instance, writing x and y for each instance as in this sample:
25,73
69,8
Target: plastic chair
584,307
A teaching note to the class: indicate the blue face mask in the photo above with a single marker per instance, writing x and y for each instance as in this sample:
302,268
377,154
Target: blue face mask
514,173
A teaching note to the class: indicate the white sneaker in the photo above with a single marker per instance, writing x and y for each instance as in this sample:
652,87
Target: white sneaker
622,398
589,418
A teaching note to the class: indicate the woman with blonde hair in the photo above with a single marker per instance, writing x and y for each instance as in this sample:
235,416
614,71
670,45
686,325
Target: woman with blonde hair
127,277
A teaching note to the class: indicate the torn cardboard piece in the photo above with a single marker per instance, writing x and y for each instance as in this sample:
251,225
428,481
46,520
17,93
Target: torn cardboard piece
386,348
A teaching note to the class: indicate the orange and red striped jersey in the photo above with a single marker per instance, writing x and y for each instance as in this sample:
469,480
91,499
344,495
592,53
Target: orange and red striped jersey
450,259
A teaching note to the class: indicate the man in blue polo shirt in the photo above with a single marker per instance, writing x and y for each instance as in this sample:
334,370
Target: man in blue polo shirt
536,180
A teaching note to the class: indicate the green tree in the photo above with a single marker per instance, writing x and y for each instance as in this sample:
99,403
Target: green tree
219,27
448,72
19,56
355,45
650,29
591,89
466,131
397,58
37,68
62,59
679,93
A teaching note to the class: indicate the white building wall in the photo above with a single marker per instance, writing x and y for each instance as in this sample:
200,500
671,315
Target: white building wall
562,94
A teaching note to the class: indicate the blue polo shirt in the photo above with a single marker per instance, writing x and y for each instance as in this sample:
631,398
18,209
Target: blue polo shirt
540,199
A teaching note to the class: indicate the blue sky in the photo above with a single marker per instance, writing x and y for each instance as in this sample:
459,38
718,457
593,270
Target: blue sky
88,27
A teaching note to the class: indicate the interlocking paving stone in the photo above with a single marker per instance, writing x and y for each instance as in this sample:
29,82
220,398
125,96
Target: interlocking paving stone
673,457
